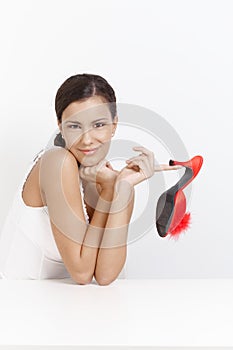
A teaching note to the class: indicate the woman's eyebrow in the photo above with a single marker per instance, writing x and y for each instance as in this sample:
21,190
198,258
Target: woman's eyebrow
76,122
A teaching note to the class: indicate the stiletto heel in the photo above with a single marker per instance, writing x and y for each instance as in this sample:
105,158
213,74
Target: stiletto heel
170,211
194,164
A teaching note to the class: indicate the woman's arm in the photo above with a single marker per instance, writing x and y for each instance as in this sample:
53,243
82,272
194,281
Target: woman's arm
95,230
113,249
77,242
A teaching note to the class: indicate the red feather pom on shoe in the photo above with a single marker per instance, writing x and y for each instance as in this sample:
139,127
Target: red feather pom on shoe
182,226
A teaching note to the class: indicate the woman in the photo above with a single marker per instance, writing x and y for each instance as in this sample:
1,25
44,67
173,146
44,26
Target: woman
70,215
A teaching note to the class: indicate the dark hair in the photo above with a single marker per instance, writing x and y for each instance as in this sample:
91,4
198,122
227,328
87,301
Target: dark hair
81,87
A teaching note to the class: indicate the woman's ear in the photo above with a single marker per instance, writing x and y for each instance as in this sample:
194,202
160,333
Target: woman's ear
115,121
59,125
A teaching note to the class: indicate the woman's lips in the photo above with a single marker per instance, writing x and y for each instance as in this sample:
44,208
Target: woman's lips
87,152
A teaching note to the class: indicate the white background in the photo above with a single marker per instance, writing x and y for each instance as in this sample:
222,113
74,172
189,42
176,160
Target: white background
173,57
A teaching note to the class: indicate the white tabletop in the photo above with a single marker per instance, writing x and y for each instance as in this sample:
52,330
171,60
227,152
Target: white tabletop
158,312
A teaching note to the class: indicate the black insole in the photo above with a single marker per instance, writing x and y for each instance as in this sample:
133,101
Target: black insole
165,205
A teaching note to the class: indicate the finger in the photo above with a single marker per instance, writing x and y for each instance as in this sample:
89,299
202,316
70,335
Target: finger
144,164
134,167
137,164
147,153
144,150
136,158
142,161
164,167
108,164
141,148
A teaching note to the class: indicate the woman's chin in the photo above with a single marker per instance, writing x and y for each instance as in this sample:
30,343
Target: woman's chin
90,162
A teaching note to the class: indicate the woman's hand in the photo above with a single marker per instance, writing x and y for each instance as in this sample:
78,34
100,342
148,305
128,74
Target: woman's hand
102,174
141,167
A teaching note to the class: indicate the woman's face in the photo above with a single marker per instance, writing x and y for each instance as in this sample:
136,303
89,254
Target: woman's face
87,126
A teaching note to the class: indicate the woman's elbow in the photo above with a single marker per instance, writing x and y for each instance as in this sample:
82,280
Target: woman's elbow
104,281
82,279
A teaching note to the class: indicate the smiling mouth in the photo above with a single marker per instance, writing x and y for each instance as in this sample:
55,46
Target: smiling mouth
90,151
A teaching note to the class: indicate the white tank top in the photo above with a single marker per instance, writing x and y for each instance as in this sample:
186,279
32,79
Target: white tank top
27,246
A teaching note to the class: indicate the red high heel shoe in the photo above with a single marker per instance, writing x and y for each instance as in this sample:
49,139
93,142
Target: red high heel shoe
170,211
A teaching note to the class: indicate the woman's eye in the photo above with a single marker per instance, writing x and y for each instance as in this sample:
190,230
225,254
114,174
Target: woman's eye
101,124
73,126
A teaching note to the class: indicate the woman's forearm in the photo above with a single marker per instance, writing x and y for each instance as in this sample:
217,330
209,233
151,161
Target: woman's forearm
113,249
95,230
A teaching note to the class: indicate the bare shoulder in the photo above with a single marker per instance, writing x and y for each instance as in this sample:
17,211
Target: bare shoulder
58,156
58,153
54,163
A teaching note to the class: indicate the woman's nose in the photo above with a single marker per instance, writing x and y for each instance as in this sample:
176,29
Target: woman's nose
86,136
